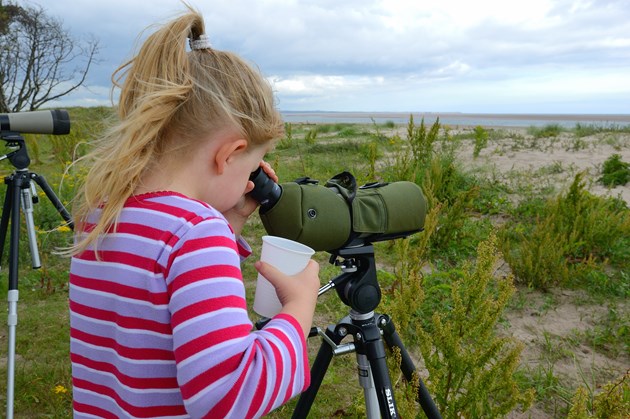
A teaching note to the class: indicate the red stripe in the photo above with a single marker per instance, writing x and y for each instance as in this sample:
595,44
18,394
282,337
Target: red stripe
305,366
279,364
210,376
139,354
126,322
223,407
121,290
142,412
130,259
292,367
206,306
127,380
142,230
208,340
261,388
84,227
201,243
92,410
203,273
242,250
160,207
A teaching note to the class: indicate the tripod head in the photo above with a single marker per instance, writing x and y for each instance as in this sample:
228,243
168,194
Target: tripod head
357,286
55,122
19,157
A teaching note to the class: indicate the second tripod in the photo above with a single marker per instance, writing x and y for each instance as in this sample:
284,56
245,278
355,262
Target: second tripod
20,194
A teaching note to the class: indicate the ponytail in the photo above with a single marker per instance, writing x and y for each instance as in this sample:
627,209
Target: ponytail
166,92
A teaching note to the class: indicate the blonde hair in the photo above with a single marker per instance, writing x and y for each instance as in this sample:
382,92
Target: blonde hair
169,98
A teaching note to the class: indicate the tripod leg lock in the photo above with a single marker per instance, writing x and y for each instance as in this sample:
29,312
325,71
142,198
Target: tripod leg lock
12,298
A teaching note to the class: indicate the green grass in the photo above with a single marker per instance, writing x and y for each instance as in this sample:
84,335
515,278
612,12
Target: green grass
549,130
465,208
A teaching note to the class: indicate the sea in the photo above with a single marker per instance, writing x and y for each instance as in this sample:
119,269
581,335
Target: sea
455,119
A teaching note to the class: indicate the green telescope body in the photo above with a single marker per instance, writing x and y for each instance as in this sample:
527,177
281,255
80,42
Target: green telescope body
339,214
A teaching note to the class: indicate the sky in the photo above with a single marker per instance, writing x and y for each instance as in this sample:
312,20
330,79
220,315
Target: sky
479,56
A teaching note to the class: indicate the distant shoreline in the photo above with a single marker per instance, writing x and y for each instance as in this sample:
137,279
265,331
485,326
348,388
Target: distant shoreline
455,118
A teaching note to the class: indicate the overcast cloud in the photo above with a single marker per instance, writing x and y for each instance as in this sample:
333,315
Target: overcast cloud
489,56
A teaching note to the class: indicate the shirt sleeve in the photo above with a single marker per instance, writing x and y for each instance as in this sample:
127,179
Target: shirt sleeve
244,250
224,369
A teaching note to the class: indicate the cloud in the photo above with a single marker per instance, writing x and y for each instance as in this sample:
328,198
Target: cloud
483,55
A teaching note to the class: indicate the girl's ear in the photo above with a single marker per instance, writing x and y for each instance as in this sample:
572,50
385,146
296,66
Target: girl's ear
227,151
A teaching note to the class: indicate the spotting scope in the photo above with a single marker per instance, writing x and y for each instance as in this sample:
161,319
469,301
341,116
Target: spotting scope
338,214
56,122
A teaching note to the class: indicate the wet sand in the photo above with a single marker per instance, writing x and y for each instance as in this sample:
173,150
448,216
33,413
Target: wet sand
459,119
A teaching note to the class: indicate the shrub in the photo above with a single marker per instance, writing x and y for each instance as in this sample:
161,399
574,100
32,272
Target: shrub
537,258
615,172
549,130
347,132
389,124
573,233
471,369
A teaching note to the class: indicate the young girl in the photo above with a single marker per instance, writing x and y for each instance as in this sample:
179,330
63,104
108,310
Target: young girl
159,324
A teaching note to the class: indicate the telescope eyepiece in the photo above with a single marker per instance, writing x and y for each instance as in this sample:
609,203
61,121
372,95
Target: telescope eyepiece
266,192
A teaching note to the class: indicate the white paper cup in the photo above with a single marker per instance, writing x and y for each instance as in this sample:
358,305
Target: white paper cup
289,257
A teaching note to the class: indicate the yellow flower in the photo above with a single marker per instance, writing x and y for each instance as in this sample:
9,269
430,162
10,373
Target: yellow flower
63,229
59,389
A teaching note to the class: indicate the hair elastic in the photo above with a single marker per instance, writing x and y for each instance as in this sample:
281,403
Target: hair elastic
203,42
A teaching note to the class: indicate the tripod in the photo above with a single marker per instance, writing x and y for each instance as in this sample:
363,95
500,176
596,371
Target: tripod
20,192
358,288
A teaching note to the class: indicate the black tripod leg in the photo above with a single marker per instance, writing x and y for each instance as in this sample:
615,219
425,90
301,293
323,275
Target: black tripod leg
408,368
318,370
371,345
6,214
41,181
14,238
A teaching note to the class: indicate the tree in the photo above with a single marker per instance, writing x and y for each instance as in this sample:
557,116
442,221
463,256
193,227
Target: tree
39,61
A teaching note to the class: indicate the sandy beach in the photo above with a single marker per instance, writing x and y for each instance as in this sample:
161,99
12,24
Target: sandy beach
516,157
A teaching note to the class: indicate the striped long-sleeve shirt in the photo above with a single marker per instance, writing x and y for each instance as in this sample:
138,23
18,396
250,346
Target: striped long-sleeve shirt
159,323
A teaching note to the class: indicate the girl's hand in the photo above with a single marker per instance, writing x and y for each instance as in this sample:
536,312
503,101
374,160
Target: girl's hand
297,293
237,215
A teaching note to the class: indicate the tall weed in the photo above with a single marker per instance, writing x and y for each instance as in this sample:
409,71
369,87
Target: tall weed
310,136
481,140
286,141
471,369
422,140
611,402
